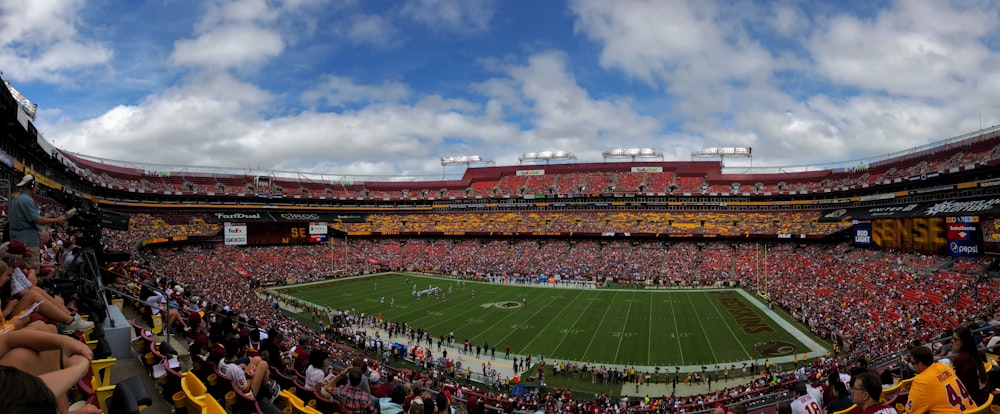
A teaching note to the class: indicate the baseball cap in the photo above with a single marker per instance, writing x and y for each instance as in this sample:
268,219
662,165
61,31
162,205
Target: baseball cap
17,248
799,387
28,179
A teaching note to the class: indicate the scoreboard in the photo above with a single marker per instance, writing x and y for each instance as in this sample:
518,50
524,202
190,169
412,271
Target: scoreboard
270,233
954,236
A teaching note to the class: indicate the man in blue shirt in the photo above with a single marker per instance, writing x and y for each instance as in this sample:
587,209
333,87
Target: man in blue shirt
25,218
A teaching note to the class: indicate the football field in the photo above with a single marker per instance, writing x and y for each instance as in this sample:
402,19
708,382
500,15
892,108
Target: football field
611,326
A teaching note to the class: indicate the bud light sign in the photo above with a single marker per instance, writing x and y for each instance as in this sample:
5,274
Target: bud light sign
964,239
863,235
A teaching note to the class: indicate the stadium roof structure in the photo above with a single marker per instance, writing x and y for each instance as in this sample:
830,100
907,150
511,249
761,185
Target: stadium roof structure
632,153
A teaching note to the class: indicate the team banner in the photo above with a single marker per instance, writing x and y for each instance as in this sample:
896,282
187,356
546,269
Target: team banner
863,235
964,236
944,208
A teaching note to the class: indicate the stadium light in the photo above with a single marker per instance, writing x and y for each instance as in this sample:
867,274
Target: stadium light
465,160
632,153
722,152
547,156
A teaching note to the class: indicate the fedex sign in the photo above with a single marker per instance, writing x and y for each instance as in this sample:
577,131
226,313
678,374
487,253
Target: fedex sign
235,234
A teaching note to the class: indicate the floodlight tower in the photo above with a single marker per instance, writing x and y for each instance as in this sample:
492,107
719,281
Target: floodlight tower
722,152
632,153
546,156
466,160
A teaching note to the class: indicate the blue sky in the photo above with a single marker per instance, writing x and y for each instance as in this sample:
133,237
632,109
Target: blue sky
378,88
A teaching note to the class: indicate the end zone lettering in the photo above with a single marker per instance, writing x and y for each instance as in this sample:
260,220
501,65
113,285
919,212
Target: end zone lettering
749,321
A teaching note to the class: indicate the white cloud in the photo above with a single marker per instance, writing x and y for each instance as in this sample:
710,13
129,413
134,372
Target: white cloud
228,46
370,29
671,41
565,115
337,91
40,40
217,120
918,48
457,16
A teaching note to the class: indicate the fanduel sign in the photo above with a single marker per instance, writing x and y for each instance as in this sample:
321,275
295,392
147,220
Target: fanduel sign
237,216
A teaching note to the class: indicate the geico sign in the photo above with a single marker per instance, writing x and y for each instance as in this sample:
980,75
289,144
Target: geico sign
236,240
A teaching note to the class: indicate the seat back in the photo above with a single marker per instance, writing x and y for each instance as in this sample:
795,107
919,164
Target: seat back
172,385
193,387
846,410
212,406
243,403
982,408
122,401
326,405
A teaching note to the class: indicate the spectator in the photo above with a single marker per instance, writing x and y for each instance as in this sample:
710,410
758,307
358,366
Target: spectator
866,390
259,384
841,397
969,365
315,375
393,404
24,349
19,296
936,388
802,401
301,355
350,396
25,217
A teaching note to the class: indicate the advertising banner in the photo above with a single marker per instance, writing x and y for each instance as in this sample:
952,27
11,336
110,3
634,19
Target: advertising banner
964,236
863,235
235,234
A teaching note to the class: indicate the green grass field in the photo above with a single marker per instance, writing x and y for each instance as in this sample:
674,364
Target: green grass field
614,326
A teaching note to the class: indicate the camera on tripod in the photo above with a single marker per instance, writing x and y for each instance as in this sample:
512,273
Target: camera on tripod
86,219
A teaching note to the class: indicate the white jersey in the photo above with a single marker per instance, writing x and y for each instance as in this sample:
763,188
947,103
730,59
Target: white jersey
816,393
806,404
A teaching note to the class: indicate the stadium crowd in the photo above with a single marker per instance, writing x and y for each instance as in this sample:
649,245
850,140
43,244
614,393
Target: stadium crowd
936,161
886,299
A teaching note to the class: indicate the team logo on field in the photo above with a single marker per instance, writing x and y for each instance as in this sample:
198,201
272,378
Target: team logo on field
775,348
502,305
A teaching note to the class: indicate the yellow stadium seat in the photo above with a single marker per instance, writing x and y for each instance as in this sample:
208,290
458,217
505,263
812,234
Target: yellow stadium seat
983,408
846,410
195,392
212,406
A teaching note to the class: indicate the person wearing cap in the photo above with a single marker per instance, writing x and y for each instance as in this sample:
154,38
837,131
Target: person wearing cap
25,217
936,388
802,402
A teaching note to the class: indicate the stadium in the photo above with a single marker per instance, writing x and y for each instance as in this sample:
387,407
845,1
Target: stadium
619,274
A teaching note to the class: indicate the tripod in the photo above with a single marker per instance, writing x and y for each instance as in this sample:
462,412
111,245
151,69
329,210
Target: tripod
90,272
